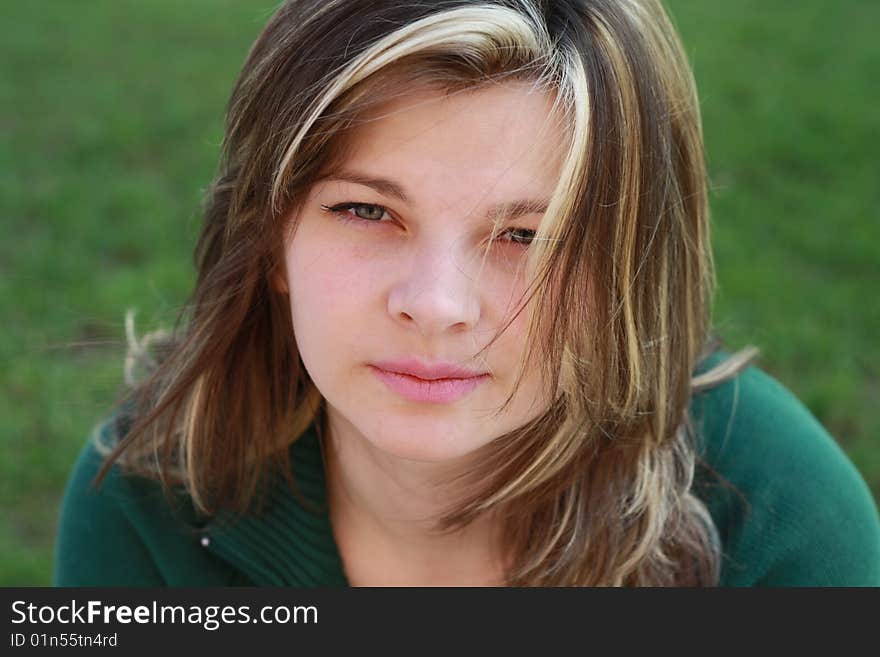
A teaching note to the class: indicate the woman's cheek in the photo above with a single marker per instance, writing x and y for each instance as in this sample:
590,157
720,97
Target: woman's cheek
347,277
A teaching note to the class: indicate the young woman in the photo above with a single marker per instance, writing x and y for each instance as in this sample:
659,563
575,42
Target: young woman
451,327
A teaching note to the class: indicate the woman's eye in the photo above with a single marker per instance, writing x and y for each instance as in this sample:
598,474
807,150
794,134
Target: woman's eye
522,236
371,213
354,211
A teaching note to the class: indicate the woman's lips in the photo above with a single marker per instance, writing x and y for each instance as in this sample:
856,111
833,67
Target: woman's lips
420,390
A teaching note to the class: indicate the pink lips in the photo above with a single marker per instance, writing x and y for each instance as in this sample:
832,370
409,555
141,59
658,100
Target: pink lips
416,381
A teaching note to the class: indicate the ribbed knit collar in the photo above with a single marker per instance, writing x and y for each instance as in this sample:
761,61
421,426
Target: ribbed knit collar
287,544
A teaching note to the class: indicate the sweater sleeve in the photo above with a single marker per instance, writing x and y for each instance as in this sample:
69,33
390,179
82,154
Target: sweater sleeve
798,512
97,544
836,544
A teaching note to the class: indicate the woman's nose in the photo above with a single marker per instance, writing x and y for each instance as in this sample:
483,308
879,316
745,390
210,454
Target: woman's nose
437,291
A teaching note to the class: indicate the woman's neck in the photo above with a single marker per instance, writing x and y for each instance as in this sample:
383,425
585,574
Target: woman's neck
383,511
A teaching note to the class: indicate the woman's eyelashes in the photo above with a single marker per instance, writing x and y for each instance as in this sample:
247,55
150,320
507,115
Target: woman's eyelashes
371,213
357,211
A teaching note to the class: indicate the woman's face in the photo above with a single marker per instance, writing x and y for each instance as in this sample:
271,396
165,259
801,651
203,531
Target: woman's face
383,270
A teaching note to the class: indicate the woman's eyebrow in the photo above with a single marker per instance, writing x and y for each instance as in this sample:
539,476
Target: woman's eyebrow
511,210
381,185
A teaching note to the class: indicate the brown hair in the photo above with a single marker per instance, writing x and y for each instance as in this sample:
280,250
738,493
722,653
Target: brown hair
596,491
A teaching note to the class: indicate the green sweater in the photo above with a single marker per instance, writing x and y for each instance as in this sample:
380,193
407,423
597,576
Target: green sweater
798,512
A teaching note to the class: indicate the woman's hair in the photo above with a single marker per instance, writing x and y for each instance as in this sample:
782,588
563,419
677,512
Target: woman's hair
597,490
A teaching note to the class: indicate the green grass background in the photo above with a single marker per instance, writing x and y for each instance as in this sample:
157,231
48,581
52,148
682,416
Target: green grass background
110,121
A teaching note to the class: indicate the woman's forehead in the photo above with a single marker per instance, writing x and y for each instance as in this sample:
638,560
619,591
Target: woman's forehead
506,134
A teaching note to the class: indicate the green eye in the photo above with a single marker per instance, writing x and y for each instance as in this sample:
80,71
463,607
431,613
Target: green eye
354,211
369,212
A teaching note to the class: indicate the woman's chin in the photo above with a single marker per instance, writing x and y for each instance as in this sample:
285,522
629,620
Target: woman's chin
424,449
427,442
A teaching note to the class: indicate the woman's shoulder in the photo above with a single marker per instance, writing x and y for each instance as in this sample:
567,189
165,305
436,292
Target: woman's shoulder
790,506
125,530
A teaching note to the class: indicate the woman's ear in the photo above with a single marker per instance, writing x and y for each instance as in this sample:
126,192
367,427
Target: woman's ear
277,281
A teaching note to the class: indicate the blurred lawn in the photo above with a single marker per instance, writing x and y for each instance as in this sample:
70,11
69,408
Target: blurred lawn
111,116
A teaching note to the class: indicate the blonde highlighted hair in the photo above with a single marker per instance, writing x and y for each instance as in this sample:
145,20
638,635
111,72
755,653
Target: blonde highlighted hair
597,490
